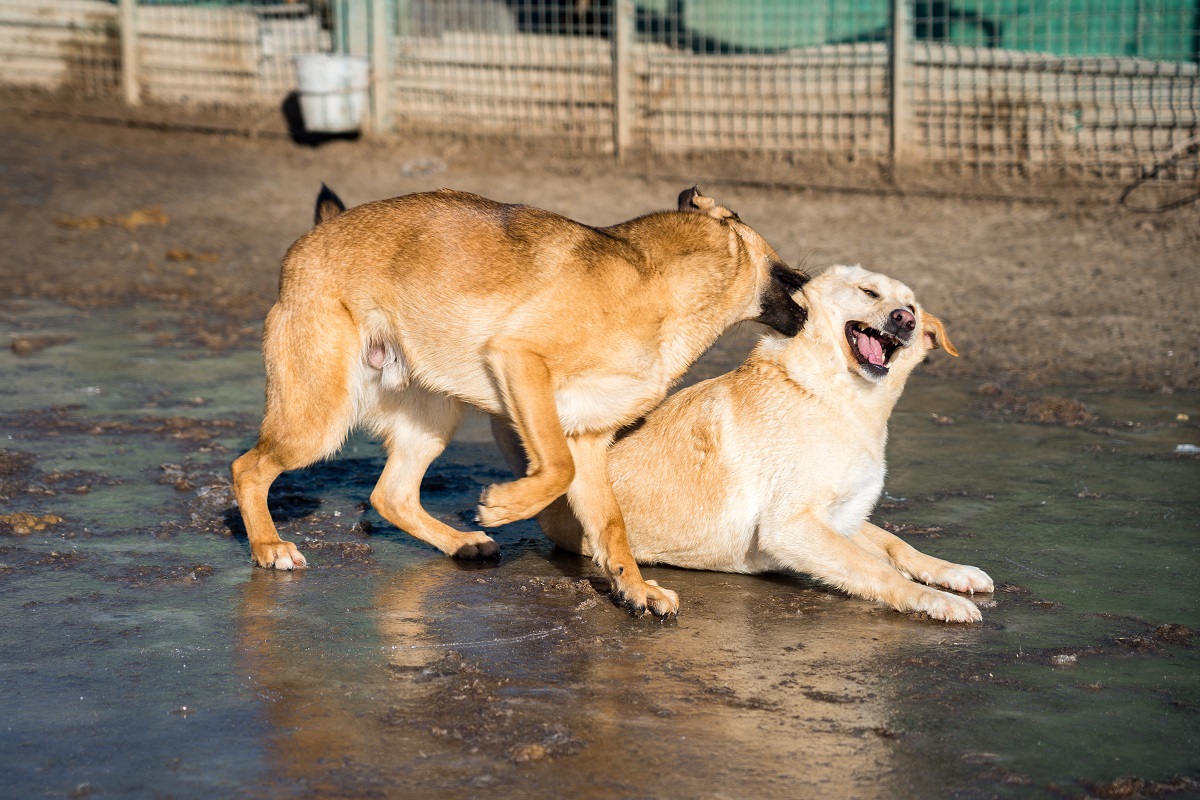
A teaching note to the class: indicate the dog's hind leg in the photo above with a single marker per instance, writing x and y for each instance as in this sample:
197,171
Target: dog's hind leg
595,504
528,393
926,568
416,425
310,365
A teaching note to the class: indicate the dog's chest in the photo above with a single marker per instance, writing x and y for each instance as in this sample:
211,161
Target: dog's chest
856,496
600,401
834,478
604,397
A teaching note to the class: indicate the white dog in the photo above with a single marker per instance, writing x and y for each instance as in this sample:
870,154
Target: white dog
777,465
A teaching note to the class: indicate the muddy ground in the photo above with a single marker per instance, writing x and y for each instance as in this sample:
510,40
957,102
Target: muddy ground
1061,286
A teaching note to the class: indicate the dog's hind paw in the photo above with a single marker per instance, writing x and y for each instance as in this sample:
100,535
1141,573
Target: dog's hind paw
279,555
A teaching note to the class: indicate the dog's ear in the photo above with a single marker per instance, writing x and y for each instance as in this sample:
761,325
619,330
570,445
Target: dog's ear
329,205
793,279
779,307
692,200
935,334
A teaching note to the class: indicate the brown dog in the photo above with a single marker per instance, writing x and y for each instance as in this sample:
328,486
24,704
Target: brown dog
396,313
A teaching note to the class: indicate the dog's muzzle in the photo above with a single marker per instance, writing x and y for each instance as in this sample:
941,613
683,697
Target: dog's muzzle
873,349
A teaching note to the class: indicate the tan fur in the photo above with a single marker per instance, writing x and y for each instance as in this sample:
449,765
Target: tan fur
395,314
776,465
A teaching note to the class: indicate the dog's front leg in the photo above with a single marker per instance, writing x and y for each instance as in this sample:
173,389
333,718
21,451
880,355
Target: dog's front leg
556,520
926,568
807,544
592,499
527,391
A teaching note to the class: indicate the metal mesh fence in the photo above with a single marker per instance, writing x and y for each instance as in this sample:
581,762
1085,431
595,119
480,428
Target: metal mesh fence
1097,85
773,76
523,67
71,45
222,53
1103,87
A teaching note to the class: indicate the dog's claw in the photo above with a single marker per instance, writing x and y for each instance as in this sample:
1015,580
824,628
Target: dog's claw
636,609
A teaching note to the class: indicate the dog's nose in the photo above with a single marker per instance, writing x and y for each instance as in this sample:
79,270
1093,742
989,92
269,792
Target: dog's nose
903,319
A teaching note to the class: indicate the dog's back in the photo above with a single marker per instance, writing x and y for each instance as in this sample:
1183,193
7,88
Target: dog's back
590,299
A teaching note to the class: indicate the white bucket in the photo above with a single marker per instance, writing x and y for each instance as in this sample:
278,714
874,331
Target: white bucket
333,91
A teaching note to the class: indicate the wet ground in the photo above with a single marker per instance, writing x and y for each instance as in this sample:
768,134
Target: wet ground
145,657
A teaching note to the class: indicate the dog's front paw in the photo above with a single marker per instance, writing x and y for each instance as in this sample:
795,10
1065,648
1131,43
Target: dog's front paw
504,503
960,578
496,506
280,555
947,607
641,596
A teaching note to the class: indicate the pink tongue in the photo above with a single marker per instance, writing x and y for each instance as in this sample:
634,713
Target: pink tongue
870,348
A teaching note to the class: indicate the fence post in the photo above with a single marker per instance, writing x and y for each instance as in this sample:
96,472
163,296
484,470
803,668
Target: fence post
381,68
900,66
355,28
130,85
623,76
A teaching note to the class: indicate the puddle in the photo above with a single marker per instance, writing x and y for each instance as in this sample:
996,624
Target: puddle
145,657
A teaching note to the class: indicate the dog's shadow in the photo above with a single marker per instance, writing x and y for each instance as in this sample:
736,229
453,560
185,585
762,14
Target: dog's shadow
293,117
298,495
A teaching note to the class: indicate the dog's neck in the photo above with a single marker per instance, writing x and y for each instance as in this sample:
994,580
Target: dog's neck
700,295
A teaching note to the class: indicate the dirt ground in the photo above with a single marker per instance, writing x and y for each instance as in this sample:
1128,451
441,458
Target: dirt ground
1064,287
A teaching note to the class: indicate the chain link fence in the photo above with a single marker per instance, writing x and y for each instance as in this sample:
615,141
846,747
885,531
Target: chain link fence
1101,87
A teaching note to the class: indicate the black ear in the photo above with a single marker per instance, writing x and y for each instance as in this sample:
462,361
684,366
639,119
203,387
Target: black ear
793,279
687,199
777,308
691,200
329,205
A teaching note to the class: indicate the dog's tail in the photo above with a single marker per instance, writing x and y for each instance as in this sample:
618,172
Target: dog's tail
329,205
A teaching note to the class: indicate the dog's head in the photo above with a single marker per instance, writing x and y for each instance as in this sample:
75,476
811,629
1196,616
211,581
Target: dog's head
873,322
777,280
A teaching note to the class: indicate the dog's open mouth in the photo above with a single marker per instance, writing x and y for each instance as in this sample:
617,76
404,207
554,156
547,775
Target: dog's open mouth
871,348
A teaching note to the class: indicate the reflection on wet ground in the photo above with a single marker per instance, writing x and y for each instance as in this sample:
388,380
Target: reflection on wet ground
145,657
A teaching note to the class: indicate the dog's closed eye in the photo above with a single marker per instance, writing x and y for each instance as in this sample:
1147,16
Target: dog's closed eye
871,293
